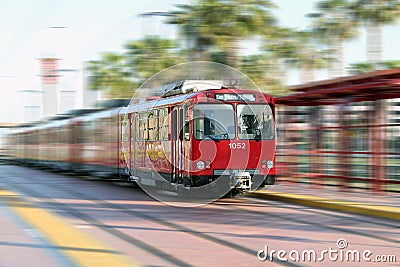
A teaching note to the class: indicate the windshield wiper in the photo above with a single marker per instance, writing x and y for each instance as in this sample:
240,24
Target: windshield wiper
209,136
212,138
257,136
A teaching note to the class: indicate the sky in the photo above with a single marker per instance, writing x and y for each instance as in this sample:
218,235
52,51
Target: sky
76,31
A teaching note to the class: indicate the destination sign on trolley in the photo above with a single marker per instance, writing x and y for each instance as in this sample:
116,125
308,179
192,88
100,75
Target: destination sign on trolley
236,97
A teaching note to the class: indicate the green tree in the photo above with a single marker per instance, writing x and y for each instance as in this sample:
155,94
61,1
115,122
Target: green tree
300,50
365,67
118,75
263,71
110,74
280,50
375,14
390,64
310,56
223,25
150,55
333,25
197,41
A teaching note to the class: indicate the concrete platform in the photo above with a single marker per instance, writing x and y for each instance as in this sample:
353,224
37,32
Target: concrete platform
358,202
66,244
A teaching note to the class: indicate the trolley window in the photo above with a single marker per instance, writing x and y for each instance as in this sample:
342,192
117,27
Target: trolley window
214,121
186,128
255,122
124,128
143,127
163,124
153,126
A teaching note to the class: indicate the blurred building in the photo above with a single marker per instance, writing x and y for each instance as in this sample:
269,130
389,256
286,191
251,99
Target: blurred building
62,90
69,82
89,97
67,100
49,81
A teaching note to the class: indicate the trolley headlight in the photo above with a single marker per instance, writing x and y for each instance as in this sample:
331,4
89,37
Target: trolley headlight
264,164
267,164
270,164
200,165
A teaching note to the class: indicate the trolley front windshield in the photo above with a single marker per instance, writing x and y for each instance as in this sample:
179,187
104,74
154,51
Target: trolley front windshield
214,121
255,122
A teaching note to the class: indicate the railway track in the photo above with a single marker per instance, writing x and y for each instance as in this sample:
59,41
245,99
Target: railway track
45,200
236,226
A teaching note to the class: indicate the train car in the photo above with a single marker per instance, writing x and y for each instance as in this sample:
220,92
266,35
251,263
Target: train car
196,134
94,143
16,143
191,139
84,141
50,144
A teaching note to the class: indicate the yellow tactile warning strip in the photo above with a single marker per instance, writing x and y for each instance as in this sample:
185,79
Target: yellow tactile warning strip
79,246
386,212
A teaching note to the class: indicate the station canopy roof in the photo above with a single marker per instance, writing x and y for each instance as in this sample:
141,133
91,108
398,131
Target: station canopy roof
384,84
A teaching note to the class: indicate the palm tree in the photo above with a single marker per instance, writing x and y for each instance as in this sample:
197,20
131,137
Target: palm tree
310,56
375,14
365,67
150,55
111,75
280,49
301,50
390,64
359,68
186,17
223,24
333,25
264,71
120,74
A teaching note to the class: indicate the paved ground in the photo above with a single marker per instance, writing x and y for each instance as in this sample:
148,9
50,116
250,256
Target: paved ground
50,219
385,205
